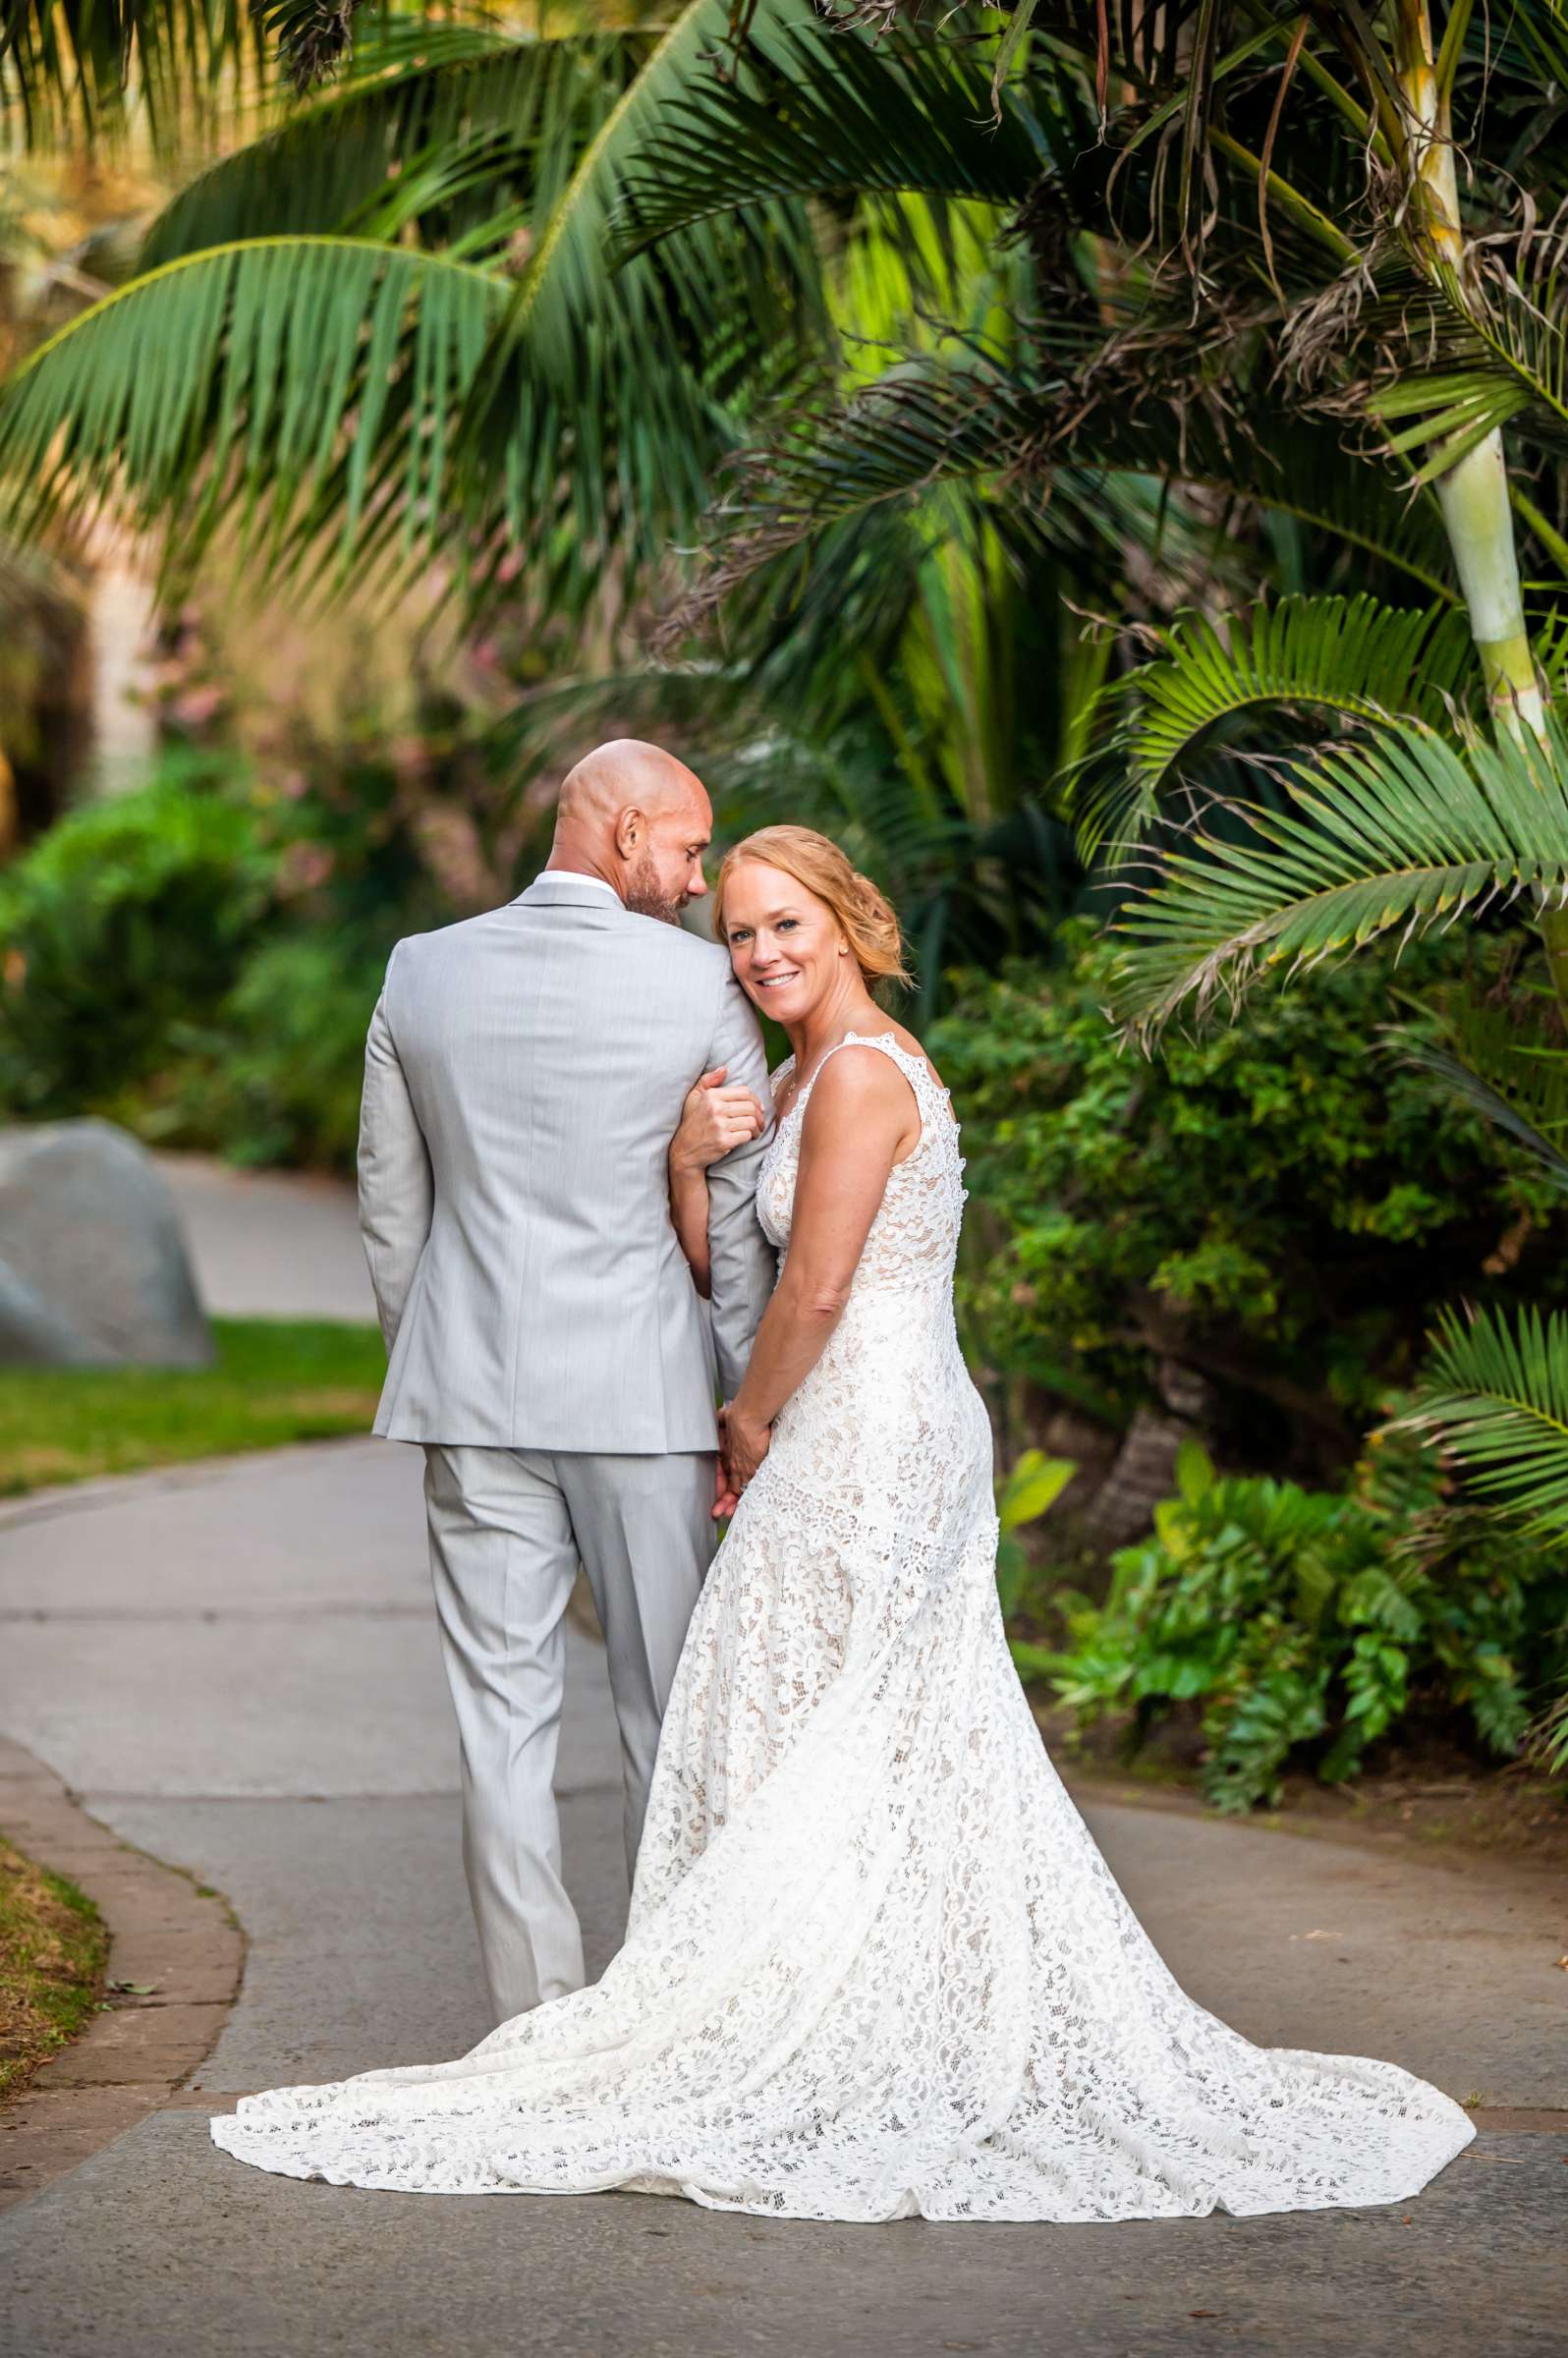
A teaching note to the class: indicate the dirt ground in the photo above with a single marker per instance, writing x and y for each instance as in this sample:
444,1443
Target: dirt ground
1435,1794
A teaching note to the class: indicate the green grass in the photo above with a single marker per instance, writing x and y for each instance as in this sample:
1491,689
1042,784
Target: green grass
52,1949
274,1381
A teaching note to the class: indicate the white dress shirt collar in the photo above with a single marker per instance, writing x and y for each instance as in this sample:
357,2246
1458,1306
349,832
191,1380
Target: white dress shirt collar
573,875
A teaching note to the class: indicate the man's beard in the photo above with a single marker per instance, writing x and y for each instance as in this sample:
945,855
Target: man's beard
645,896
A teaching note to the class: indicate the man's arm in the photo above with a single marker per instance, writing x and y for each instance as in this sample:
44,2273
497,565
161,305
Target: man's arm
742,1267
396,1190
714,1120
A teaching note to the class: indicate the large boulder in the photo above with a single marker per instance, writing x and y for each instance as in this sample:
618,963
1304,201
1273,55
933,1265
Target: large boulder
94,1272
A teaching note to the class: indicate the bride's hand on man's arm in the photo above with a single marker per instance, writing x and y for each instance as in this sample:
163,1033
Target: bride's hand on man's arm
714,1120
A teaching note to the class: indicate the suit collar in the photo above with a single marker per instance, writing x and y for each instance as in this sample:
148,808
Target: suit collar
559,888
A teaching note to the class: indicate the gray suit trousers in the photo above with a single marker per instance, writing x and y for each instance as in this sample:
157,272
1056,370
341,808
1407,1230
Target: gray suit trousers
508,1528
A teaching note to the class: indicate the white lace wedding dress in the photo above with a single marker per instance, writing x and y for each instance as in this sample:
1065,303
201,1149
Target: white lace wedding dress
876,1966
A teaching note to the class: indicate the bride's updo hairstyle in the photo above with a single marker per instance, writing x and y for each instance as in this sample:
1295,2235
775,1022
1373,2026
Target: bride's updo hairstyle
864,913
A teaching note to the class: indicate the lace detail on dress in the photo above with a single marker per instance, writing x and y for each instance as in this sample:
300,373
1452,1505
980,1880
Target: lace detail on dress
876,1966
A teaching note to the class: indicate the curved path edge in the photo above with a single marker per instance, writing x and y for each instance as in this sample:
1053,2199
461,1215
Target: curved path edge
166,1934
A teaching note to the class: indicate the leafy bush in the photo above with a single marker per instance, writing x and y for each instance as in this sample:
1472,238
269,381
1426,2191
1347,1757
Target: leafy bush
1031,1487
275,1078
1306,1624
127,915
198,960
1265,1205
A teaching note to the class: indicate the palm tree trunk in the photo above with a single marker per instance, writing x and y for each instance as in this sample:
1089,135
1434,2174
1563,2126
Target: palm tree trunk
1472,494
1480,521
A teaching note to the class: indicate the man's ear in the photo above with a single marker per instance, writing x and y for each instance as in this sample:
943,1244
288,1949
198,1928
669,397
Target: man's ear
630,831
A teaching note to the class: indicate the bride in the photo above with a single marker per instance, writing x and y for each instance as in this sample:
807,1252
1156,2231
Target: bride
875,1967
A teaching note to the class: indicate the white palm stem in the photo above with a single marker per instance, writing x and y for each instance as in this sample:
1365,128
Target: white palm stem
1472,494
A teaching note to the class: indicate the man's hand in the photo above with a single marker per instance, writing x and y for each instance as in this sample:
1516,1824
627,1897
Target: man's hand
714,1120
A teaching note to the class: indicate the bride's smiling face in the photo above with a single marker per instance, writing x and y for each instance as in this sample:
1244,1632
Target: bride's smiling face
786,946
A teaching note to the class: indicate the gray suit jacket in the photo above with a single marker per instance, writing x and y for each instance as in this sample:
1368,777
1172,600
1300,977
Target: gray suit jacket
524,1077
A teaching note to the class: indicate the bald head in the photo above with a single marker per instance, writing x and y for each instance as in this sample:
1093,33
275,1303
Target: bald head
632,814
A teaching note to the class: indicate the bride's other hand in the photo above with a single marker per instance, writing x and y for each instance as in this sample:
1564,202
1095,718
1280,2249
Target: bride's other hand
743,1445
714,1120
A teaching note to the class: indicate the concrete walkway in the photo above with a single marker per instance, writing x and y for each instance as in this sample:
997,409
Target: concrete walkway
270,1244
235,1668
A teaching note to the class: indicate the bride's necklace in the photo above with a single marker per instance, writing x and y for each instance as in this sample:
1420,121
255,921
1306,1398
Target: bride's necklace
796,1083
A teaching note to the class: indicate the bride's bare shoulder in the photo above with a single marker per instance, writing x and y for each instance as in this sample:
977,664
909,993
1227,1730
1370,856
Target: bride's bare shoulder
858,1094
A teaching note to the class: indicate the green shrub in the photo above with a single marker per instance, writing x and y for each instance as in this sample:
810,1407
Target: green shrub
1269,1205
198,960
1306,1624
115,924
275,1077
1030,1490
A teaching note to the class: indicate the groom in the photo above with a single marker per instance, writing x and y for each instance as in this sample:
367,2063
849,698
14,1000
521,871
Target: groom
524,1073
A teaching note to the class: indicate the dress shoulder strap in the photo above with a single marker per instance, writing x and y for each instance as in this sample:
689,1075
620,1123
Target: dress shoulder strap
915,1069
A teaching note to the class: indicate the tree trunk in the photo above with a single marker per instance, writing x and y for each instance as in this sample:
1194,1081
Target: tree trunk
1472,494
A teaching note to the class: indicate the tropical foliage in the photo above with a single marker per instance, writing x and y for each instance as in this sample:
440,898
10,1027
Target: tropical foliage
1263,1207
200,959
1033,1486
1303,1625
388,328
116,924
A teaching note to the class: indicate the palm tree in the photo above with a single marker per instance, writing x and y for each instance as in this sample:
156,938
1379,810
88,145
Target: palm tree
386,330
415,320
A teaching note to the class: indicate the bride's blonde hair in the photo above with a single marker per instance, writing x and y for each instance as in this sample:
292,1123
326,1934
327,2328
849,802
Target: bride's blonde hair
863,911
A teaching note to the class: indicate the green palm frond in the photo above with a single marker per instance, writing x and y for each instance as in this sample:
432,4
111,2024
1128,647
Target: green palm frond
418,91
1497,1050
220,389
78,69
1549,1738
295,384
1342,658
629,364
571,316
839,114
959,421
1501,347
1398,832
1495,1393
1060,463
918,425
1298,465
1495,1104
